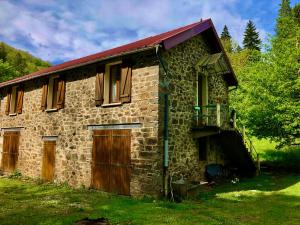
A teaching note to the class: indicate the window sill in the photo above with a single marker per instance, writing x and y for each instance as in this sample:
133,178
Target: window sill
111,104
12,114
51,110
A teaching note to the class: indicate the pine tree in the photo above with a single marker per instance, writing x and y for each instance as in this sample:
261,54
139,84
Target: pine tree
225,35
296,12
284,13
285,8
251,37
226,39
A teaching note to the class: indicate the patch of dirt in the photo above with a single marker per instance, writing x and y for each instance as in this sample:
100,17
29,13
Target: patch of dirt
87,221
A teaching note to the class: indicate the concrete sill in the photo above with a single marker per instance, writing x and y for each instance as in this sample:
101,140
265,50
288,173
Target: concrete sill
112,104
12,114
51,110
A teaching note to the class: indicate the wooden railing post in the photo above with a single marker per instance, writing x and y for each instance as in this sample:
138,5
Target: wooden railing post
257,164
234,120
244,134
218,114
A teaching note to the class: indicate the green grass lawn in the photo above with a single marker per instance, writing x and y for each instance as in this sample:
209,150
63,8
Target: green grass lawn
267,199
287,157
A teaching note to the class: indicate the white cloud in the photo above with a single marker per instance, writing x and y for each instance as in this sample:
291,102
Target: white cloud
60,31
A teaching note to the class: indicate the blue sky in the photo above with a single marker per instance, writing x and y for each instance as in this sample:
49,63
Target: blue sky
58,31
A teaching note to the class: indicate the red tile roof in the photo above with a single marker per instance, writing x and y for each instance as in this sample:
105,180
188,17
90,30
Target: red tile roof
167,39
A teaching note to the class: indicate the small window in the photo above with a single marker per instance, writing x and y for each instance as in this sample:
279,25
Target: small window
52,93
203,147
114,86
14,101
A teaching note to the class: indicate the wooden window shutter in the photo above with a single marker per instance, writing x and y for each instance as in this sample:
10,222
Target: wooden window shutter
61,93
126,73
44,96
99,87
7,108
20,95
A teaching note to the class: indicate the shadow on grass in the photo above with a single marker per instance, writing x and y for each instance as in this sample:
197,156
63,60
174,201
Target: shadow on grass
287,158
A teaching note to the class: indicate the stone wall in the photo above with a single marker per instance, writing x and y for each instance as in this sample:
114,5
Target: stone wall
182,76
74,144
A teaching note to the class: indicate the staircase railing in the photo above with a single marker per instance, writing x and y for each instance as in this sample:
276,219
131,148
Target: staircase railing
247,141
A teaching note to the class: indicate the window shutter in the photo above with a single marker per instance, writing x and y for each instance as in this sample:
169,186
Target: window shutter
99,87
8,102
44,97
126,73
20,95
61,93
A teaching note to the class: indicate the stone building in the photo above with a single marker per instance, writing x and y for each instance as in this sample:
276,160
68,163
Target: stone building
125,120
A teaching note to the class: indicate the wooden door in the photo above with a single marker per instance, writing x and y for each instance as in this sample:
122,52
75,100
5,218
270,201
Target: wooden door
10,150
48,164
101,159
111,161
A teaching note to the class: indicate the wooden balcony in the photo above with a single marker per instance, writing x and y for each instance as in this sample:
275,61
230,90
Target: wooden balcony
211,119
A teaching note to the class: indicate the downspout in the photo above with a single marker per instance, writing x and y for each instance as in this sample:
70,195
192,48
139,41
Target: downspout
166,130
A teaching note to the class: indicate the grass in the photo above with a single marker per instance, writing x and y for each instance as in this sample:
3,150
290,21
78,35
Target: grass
267,199
287,158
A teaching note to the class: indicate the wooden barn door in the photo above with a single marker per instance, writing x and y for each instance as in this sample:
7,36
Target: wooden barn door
111,161
10,150
48,164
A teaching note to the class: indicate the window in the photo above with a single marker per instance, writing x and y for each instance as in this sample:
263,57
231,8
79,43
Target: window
14,103
113,84
53,94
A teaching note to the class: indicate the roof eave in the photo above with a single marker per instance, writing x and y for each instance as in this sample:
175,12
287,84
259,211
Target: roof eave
13,82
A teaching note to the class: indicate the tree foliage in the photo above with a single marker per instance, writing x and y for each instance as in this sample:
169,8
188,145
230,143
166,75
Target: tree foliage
269,95
225,33
285,8
251,37
226,40
15,63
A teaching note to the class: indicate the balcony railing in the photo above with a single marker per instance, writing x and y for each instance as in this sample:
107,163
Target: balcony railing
213,115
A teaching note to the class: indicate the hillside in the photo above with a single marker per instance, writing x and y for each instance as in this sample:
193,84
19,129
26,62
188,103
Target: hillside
15,62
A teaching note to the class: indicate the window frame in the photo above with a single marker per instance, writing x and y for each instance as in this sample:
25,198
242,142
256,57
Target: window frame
13,100
52,93
107,84
118,84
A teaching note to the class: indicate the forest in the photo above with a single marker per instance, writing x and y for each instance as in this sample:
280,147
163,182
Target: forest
268,97
15,62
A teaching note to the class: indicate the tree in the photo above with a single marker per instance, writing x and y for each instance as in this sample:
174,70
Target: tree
6,71
3,52
268,98
296,12
226,40
19,63
285,8
225,35
251,37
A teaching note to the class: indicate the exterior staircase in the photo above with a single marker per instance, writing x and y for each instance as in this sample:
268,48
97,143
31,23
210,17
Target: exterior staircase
237,146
